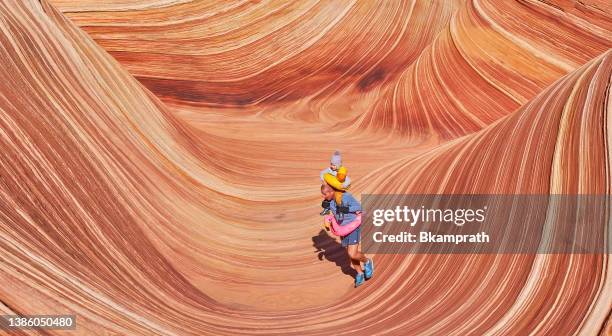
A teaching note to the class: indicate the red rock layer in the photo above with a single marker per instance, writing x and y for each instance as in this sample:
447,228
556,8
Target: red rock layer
197,215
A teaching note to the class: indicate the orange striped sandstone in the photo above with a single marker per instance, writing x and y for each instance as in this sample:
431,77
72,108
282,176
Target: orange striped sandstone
149,217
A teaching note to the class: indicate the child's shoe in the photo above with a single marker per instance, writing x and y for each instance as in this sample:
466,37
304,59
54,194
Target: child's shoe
368,268
359,279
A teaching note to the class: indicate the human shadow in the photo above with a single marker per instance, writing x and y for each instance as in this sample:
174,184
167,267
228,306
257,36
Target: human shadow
328,248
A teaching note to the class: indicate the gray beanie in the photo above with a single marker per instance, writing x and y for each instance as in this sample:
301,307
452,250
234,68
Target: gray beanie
336,159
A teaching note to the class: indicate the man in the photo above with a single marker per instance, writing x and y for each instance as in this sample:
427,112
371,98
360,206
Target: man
345,214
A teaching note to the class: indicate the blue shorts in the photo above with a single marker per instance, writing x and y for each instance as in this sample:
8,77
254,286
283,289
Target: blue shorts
353,238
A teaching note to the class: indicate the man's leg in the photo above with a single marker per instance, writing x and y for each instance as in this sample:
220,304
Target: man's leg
356,265
356,256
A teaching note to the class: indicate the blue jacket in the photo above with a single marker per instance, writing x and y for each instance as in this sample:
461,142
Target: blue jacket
351,202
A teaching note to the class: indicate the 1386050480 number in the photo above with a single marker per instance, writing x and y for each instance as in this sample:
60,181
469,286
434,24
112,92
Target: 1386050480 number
50,322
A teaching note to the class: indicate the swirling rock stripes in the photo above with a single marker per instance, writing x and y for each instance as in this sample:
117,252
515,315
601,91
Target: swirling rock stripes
498,63
160,212
482,67
551,145
232,67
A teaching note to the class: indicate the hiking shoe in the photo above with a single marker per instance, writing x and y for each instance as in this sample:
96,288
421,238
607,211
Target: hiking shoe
368,268
359,279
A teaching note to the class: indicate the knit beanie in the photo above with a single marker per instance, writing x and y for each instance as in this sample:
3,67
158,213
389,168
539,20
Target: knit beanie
336,159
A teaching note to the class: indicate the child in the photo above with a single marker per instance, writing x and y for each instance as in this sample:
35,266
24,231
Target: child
335,176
